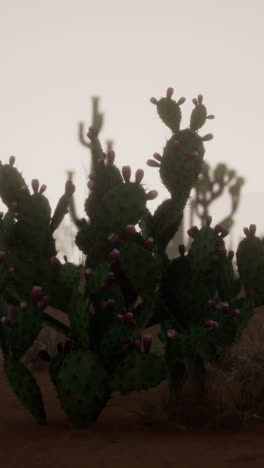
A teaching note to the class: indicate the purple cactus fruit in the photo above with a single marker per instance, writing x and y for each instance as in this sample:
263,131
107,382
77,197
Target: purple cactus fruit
88,272
128,316
10,270
152,163
42,189
137,344
114,239
44,355
225,306
103,286
110,157
153,100
120,318
36,293
235,312
157,156
212,304
152,195
132,323
12,160
173,334
181,101
6,321
149,242
55,261
194,155
181,249
92,133
114,255
208,137
2,257
147,342
210,117
23,306
110,304
139,175
193,231
169,92
111,277
194,100
200,98
252,230
35,185
130,229
126,173
25,190
219,228
92,176
211,324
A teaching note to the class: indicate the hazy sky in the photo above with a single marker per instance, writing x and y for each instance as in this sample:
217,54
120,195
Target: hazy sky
56,54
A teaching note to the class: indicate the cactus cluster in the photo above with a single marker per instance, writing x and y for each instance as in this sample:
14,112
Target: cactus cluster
127,283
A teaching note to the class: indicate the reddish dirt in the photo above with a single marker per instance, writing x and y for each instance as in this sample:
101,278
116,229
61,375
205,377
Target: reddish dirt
121,438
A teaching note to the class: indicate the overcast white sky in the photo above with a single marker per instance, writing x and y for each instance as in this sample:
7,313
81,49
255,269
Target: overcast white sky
56,54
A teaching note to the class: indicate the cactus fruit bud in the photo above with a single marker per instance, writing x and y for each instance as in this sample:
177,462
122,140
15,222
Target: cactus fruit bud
208,221
114,238
230,255
110,304
12,160
153,100
152,163
173,334
157,156
42,189
88,272
92,133
152,195
139,175
225,306
6,321
91,185
130,229
69,188
2,256
169,92
252,230
181,101
114,255
211,324
193,231
194,100
36,293
208,137
181,249
126,173
149,242
23,306
120,318
235,312
200,98
194,154
44,355
35,185
137,345
110,157
219,228
212,304
210,117
55,261
147,342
